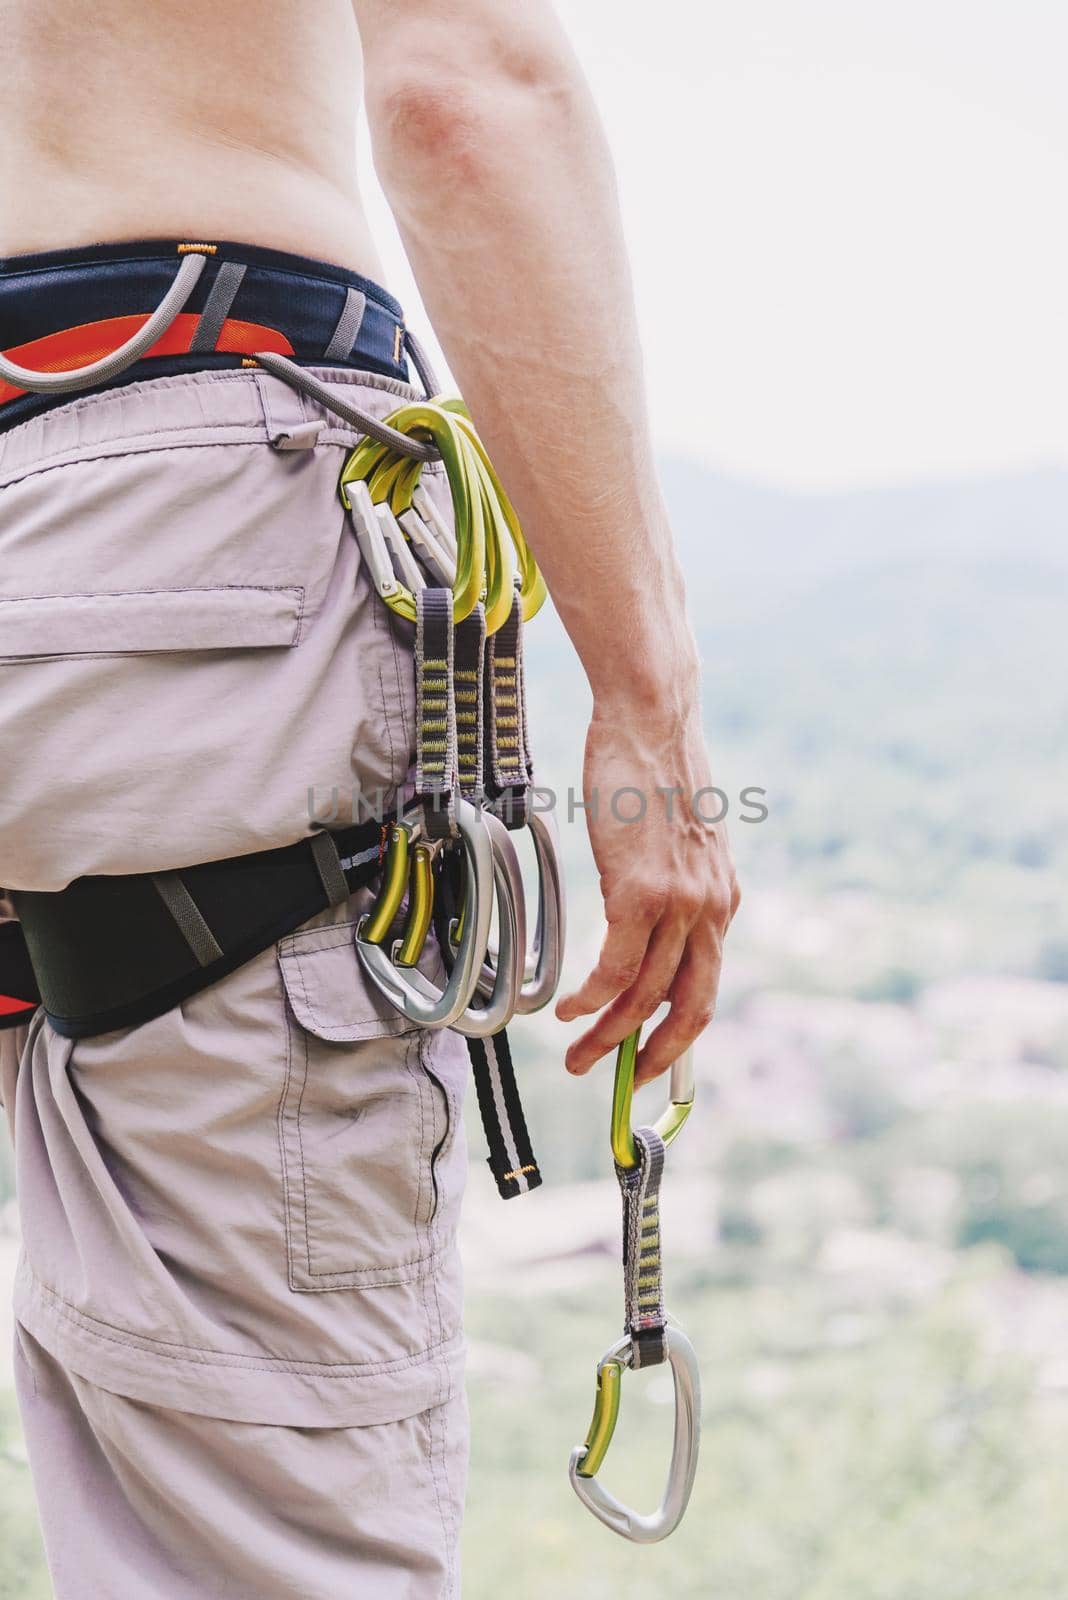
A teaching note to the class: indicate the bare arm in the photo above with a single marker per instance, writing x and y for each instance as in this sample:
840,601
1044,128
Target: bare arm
495,164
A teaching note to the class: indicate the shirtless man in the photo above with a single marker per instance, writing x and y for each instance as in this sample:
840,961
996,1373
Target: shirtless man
196,1428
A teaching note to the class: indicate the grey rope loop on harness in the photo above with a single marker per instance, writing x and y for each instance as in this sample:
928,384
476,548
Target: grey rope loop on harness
109,366
422,364
289,372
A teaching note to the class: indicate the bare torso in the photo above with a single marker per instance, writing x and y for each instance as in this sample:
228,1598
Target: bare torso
133,119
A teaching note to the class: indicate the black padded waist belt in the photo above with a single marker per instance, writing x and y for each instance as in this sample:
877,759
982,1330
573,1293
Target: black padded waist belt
114,952
19,994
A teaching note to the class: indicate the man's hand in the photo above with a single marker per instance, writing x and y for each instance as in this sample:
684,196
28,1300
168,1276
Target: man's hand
668,885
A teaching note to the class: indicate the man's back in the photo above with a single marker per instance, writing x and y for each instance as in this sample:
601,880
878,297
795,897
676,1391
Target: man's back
193,118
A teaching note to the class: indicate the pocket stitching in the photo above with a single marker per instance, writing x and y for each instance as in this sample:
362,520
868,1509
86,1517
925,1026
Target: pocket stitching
376,1026
408,1271
297,589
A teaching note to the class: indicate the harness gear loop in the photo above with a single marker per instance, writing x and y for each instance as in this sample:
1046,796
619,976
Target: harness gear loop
302,380
422,364
185,281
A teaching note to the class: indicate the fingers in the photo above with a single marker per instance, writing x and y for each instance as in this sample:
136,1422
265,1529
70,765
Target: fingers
618,965
693,1004
636,1003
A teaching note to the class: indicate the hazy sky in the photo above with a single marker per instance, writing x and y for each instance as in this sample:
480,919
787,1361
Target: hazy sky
860,209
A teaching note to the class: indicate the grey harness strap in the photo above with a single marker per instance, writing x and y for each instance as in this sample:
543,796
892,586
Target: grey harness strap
348,326
329,866
217,306
188,916
643,1279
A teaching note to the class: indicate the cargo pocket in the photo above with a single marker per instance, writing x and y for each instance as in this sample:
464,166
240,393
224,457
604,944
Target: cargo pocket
362,1123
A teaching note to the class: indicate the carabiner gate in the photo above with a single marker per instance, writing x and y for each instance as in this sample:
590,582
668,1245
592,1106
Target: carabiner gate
587,1458
542,962
670,1123
498,1007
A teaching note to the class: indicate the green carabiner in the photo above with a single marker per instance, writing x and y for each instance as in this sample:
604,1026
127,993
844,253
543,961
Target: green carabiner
420,418
670,1123
420,907
532,585
387,472
394,882
605,1416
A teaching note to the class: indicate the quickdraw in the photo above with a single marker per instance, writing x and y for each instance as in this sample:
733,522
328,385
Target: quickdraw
650,1338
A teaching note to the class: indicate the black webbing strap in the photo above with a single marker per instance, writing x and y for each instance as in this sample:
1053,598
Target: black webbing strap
451,664
19,994
511,1155
507,761
643,1280
114,952
435,712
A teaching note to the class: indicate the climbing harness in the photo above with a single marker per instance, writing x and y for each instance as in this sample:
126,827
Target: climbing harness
650,1338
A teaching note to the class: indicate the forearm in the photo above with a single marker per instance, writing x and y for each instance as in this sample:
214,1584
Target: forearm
496,167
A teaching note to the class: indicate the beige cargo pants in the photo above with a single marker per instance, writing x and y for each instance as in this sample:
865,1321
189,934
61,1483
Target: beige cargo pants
238,1308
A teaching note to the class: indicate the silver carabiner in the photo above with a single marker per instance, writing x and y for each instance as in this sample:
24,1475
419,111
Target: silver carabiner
371,541
586,1459
544,959
437,560
500,994
500,1005
413,994
542,975
403,560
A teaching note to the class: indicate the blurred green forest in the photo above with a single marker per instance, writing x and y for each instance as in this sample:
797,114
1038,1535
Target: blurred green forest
866,1224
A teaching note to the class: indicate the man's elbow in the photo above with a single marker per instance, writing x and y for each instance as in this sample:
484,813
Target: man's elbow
465,114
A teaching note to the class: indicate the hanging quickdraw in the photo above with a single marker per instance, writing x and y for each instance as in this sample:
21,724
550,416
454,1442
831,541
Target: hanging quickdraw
508,785
650,1338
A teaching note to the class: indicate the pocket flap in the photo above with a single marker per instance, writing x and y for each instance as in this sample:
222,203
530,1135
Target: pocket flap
328,990
239,616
